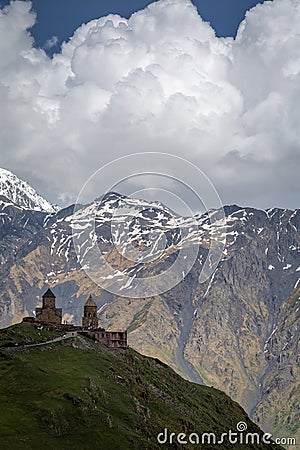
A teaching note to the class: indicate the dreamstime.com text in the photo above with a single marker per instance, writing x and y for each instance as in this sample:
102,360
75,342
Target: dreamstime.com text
237,437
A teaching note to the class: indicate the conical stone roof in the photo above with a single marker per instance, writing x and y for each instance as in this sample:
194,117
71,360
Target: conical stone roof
90,302
49,294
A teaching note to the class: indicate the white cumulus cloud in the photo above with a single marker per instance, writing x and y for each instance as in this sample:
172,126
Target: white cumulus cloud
158,81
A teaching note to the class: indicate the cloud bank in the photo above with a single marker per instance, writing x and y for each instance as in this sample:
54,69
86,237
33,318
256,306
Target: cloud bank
159,81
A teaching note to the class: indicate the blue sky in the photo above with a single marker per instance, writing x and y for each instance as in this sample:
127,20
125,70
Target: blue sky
61,18
163,80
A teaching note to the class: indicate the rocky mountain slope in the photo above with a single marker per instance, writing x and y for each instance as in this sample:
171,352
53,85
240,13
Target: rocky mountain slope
77,394
21,194
238,331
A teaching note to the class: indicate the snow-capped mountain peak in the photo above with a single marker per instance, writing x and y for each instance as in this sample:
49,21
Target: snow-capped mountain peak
22,194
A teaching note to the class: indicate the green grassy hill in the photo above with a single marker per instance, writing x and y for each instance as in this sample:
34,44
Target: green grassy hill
77,394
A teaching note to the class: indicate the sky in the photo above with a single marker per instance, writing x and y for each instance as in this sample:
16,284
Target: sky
79,88
58,20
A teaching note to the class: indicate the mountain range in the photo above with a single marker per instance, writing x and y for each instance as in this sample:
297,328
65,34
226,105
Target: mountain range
237,331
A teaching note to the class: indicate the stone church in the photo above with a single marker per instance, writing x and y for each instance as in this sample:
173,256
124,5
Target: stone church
50,316
49,313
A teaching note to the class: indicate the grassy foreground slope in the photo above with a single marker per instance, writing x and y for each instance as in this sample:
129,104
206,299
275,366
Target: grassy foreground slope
77,394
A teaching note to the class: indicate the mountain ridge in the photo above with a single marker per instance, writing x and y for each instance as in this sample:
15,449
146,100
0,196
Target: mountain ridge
232,331
22,194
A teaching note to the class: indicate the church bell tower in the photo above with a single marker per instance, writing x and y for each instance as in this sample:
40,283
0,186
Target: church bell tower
90,319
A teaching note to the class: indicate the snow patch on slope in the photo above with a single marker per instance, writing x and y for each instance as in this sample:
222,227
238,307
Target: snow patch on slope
21,194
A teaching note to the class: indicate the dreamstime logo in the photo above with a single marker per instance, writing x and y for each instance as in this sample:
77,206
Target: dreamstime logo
240,436
141,233
241,426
